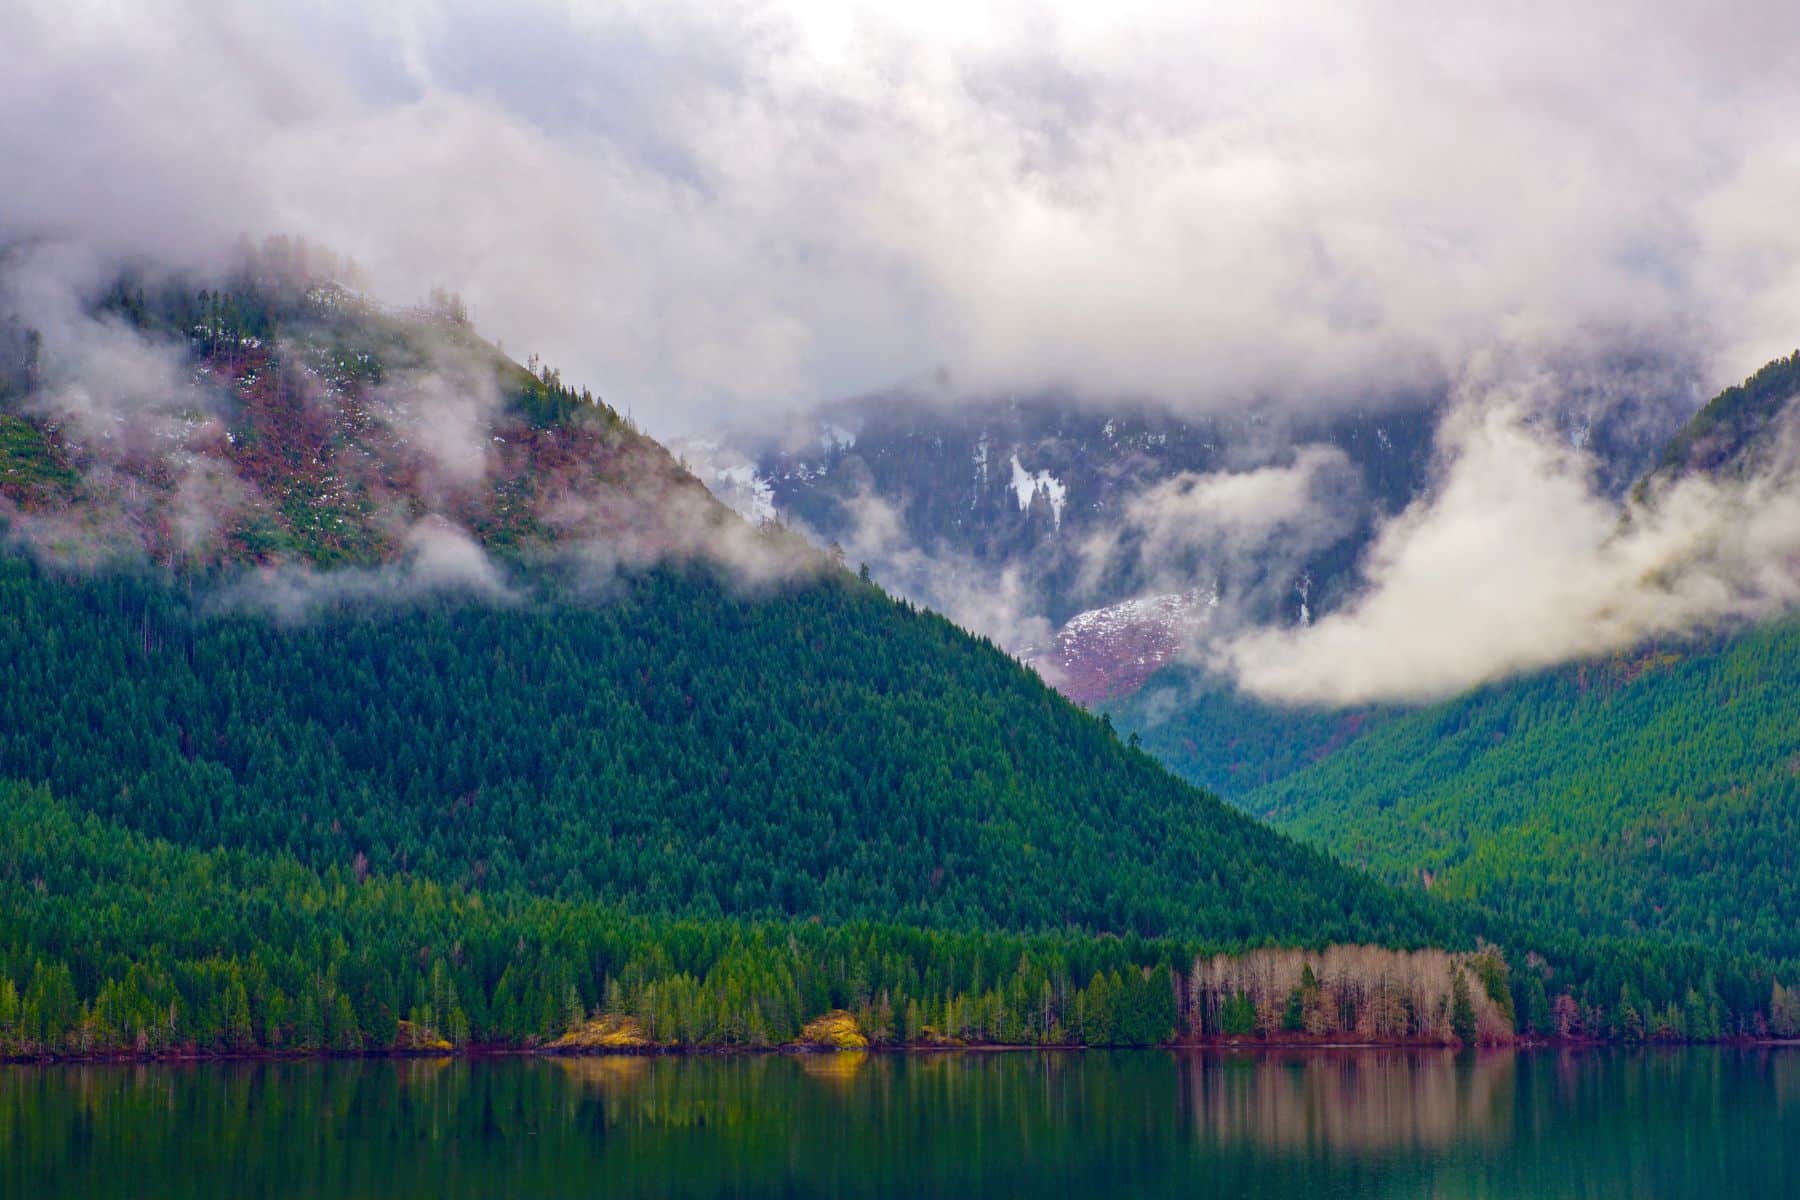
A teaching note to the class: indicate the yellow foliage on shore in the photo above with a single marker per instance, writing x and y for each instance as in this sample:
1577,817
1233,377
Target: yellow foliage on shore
836,1030
604,1032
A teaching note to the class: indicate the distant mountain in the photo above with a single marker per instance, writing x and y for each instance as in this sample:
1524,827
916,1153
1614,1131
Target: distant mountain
1106,653
1064,527
1025,486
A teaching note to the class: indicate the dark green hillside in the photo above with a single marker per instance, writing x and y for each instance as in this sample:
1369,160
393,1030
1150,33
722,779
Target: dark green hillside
679,747
1656,794
664,740
1720,435
111,942
626,780
1214,736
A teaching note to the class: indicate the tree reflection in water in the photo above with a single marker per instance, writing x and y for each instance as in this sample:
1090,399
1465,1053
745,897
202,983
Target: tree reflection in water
1616,1122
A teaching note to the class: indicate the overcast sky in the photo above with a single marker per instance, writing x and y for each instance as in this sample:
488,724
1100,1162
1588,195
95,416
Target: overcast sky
714,211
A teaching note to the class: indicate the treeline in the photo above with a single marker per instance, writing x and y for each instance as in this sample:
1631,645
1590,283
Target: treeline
111,942
114,943
1602,990
1359,993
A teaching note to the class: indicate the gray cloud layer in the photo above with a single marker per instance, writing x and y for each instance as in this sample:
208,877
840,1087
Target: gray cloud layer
709,210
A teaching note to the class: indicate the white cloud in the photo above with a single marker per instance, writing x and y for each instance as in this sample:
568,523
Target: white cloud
440,559
725,209
1516,562
996,603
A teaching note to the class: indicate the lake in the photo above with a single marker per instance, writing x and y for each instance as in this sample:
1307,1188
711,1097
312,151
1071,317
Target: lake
1593,1123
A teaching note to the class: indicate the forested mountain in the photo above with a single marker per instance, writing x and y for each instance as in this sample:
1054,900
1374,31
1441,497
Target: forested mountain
1654,793
674,745
346,714
1230,743
230,659
606,686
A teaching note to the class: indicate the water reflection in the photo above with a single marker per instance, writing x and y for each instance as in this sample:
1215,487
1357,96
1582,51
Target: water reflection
1603,1123
1351,1100
842,1067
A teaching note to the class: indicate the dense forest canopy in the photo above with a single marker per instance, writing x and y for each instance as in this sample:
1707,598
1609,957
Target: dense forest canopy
114,942
345,714
1649,794
679,746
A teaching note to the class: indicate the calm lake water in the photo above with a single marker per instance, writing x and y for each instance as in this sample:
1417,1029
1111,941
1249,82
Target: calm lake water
1703,1122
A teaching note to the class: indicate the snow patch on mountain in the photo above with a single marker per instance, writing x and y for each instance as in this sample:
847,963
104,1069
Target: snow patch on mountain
730,476
1110,652
1026,485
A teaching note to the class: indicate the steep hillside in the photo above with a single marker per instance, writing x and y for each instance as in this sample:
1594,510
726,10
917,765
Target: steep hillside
1654,794
1724,436
671,744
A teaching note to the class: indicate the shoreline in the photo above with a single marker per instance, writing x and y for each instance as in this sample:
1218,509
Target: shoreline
477,1053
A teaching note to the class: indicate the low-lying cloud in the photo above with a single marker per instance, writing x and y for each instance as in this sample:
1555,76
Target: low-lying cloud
995,602
1517,561
1244,535
440,559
